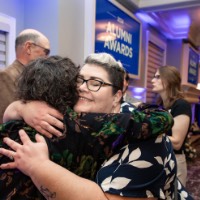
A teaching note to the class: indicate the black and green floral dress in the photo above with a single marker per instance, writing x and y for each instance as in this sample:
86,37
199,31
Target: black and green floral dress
91,138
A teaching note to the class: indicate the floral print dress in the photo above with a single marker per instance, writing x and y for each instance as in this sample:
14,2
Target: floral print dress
142,168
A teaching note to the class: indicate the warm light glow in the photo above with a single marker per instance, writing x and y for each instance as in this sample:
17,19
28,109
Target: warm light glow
106,36
198,86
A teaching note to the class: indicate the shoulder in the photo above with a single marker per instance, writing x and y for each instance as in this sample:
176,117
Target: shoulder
12,71
180,103
181,106
5,73
16,65
6,70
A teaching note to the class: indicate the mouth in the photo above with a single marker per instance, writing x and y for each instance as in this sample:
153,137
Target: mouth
84,99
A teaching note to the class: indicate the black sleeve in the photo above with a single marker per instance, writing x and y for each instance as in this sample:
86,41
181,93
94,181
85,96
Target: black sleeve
181,107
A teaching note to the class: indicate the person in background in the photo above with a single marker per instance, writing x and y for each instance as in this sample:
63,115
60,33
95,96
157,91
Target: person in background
29,45
136,102
167,83
126,82
134,171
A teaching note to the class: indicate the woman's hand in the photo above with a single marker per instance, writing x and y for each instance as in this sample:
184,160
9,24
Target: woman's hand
27,157
38,115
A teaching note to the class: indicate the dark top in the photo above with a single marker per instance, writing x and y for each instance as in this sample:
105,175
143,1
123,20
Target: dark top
180,107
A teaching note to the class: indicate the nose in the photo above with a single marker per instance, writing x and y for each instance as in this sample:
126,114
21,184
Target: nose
83,87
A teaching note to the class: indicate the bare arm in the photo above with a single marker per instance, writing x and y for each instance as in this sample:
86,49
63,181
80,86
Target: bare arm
51,179
38,115
179,130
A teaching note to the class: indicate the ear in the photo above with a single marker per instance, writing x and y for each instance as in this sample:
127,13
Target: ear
27,47
117,97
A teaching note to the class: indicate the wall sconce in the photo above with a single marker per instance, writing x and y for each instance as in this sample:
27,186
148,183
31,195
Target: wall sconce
198,86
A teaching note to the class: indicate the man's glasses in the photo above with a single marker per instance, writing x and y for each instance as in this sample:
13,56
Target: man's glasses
92,84
46,51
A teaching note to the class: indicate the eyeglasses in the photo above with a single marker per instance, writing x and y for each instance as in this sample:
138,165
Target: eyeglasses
92,84
46,51
156,76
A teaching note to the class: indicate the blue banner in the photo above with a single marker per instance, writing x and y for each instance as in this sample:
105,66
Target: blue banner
118,34
193,67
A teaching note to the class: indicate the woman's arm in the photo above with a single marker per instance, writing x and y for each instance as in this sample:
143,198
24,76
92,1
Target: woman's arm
181,111
145,122
53,181
148,121
38,115
12,112
154,119
179,130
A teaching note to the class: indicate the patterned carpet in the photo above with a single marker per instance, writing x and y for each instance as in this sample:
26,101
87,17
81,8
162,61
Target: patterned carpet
193,183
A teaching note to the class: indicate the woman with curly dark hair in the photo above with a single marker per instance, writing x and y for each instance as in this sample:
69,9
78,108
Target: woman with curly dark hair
51,80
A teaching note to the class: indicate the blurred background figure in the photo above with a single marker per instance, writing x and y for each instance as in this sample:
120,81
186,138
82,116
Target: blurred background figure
167,83
29,45
127,97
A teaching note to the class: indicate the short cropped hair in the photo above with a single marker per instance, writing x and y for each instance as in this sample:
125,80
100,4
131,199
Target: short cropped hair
112,67
21,39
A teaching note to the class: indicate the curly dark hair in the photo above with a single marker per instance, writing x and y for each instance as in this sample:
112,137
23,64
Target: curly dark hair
52,80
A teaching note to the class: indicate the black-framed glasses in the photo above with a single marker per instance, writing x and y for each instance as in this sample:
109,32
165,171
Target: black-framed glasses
92,84
156,76
46,51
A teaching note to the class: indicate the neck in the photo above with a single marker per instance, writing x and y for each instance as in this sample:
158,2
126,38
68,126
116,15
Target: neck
164,98
116,109
20,62
24,60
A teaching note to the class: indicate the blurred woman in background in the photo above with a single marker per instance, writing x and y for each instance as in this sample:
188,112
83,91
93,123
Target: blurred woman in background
167,83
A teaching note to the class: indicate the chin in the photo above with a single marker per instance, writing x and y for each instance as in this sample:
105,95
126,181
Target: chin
81,109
